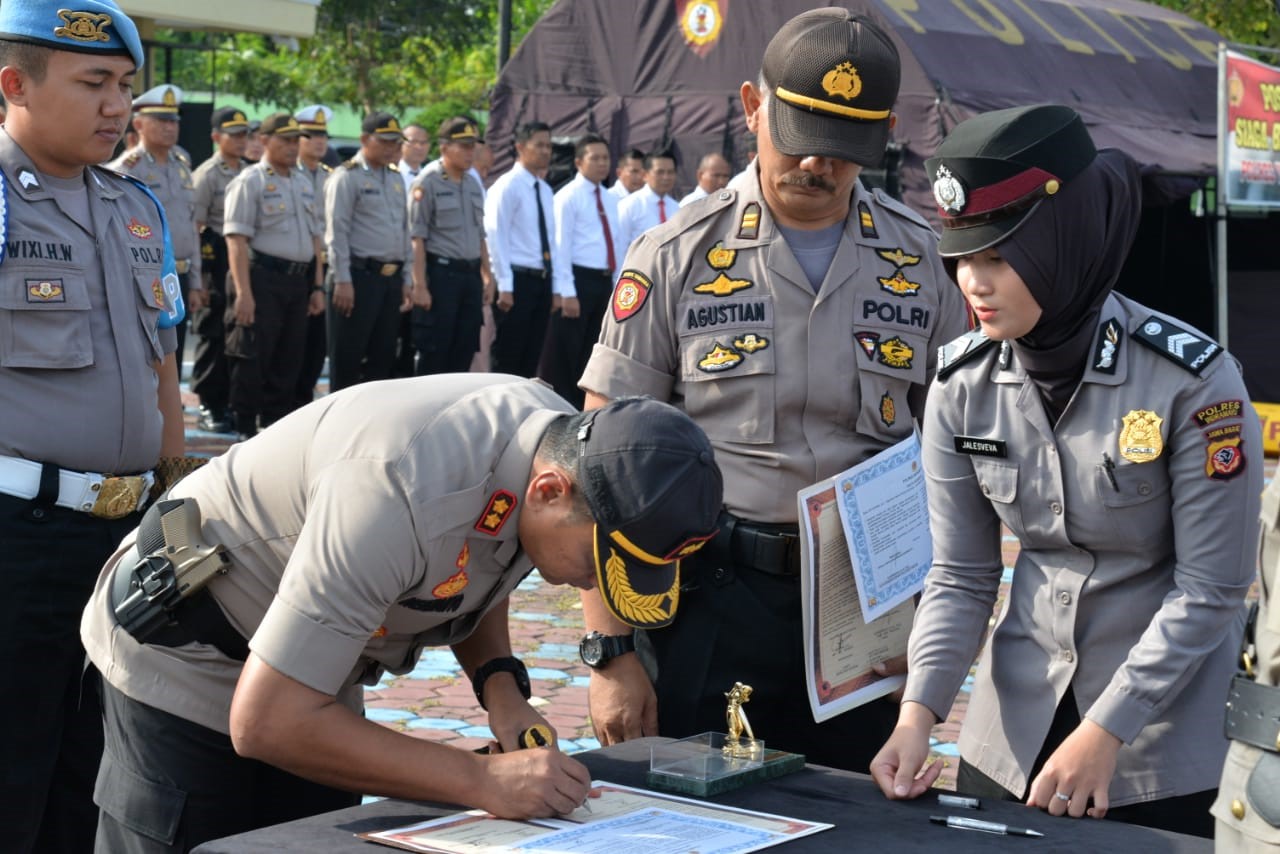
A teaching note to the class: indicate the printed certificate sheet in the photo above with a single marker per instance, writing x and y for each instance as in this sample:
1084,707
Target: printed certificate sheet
881,501
622,820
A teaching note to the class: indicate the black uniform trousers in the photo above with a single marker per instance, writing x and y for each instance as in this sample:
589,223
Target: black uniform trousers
403,363
184,287
570,339
520,331
1183,814
168,785
362,347
314,350
448,335
210,379
740,624
51,725
265,358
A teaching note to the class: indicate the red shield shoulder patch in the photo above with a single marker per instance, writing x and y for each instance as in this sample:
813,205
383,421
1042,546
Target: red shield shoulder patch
629,294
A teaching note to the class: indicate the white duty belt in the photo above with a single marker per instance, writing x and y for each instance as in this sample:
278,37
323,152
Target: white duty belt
101,495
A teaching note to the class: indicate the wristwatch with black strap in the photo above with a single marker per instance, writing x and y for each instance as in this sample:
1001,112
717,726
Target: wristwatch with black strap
506,664
597,650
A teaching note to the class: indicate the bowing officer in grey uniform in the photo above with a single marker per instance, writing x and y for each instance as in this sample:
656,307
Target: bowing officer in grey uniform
1118,446
88,391
412,533
160,163
210,378
273,236
367,237
1248,805
314,121
796,319
450,260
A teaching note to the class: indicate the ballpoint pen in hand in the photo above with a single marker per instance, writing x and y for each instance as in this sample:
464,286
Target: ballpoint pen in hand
983,826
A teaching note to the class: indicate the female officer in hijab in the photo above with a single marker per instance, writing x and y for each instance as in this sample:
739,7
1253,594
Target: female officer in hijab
1120,448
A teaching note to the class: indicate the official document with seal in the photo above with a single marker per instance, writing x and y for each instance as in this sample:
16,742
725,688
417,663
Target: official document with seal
623,820
865,550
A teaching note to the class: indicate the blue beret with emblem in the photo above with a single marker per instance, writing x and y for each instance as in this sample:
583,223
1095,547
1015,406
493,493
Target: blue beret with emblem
84,26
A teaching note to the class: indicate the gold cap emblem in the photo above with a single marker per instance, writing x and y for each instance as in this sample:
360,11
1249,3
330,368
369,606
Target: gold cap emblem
83,26
170,99
842,81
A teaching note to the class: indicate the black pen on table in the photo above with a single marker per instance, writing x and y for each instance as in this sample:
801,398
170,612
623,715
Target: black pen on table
960,823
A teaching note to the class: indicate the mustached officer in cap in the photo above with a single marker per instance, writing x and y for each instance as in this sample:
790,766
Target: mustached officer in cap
209,376
88,388
795,317
412,532
159,162
313,146
273,239
367,238
1118,445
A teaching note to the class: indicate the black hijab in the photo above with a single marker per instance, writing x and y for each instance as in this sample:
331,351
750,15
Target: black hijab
1069,253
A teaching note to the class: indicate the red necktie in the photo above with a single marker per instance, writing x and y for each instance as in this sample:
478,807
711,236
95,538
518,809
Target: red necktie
608,233
662,210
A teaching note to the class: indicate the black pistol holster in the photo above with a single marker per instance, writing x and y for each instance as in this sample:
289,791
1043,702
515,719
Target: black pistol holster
167,565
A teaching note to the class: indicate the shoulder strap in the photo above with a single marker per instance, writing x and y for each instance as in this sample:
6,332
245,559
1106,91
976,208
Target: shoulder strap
954,354
1184,347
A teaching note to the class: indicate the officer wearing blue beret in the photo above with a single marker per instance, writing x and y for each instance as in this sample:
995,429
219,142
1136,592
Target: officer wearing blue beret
88,388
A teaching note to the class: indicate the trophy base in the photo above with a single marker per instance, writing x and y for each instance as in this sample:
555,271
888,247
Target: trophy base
709,764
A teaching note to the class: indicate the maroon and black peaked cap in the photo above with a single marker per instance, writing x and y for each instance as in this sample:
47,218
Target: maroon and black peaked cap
995,169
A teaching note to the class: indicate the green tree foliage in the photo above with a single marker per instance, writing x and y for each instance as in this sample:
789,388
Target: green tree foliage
1252,22
366,54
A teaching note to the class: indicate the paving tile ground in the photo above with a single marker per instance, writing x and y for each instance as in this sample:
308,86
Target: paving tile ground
435,701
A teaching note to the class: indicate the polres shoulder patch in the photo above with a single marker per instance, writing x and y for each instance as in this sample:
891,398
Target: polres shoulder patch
955,353
1178,344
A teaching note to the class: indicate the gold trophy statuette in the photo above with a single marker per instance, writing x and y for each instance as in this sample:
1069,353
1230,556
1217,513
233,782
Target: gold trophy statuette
736,745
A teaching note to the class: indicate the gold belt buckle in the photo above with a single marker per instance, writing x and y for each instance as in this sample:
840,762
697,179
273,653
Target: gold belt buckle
182,265
388,269
118,497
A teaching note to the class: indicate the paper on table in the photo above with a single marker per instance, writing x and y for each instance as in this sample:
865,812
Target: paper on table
623,820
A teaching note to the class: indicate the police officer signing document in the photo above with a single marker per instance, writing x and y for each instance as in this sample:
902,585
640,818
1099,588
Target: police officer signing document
88,390
796,319
349,544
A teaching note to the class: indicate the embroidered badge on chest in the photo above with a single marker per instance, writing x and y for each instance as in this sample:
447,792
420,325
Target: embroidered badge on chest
888,411
140,230
896,353
1140,440
898,258
496,512
45,290
629,294
750,343
868,341
451,586
157,293
899,285
719,360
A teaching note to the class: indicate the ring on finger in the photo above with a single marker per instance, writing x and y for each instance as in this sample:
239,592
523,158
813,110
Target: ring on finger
1062,797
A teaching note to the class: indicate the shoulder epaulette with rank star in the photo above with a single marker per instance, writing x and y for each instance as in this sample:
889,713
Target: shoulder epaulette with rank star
350,164
325,167
394,167
954,354
1178,344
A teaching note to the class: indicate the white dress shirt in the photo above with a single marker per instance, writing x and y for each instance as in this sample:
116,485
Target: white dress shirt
638,213
618,190
511,223
580,233
698,193
408,173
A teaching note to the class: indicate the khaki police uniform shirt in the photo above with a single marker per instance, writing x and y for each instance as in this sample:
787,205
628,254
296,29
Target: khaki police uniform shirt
354,543
713,313
365,217
1251,833
78,323
319,177
448,215
276,212
1129,592
172,183
211,179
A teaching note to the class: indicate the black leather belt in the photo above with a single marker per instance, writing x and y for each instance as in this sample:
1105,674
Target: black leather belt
1253,714
280,265
591,271
772,549
452,263
536,272
386,269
